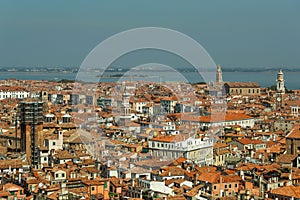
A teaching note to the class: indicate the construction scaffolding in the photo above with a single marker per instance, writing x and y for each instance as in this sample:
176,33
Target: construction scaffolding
31,115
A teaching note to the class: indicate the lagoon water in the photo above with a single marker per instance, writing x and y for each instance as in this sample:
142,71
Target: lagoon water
265,79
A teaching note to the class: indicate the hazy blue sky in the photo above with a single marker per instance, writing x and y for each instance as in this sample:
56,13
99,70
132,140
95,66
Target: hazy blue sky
236,33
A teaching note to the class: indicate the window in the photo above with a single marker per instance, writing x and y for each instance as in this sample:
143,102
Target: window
225,186
56,175
215,187
236,185
45,158
62,175
229,185
53,143
93,188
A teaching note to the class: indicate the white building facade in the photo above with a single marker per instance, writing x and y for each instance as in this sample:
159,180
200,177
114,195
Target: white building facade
14,94
171,147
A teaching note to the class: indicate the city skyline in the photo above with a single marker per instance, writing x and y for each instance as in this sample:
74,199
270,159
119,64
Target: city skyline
149,100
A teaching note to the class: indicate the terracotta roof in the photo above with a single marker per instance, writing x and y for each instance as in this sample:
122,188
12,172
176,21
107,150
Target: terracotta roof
286,158
295,133
242,84
93,182
288,191
206,169
220,145
246,141
5,164
12,88
215,117
176,198
231,178
12,186
172,98
179,161
64,154
4,194
173,171
210,177
193,192
165,138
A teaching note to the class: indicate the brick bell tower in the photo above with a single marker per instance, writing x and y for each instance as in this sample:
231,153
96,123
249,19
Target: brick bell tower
31,123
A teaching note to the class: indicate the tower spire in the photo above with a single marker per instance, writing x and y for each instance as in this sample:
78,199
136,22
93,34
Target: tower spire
219,78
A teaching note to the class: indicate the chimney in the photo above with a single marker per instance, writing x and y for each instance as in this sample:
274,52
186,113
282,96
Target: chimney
63,189
60,135
195,179
19,178
133,182
290,175
242,175
221,183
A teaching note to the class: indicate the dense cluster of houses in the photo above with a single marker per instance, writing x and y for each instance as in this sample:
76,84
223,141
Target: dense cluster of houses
146,140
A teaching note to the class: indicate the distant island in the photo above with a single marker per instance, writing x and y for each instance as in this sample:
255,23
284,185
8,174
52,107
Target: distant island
125,69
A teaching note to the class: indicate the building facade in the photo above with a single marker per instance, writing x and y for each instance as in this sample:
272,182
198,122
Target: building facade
174,146
15,92
242,88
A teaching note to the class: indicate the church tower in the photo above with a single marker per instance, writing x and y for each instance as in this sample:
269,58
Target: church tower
219,78
125,109
280,89
280,82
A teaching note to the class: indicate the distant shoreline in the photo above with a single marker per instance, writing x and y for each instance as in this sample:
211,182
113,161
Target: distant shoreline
263,78
76,70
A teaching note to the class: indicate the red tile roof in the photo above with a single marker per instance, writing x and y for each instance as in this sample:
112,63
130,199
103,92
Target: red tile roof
288,191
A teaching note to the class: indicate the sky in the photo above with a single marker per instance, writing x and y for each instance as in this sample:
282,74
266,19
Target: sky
241,34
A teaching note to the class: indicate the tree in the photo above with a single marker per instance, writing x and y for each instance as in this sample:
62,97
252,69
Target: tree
272,87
